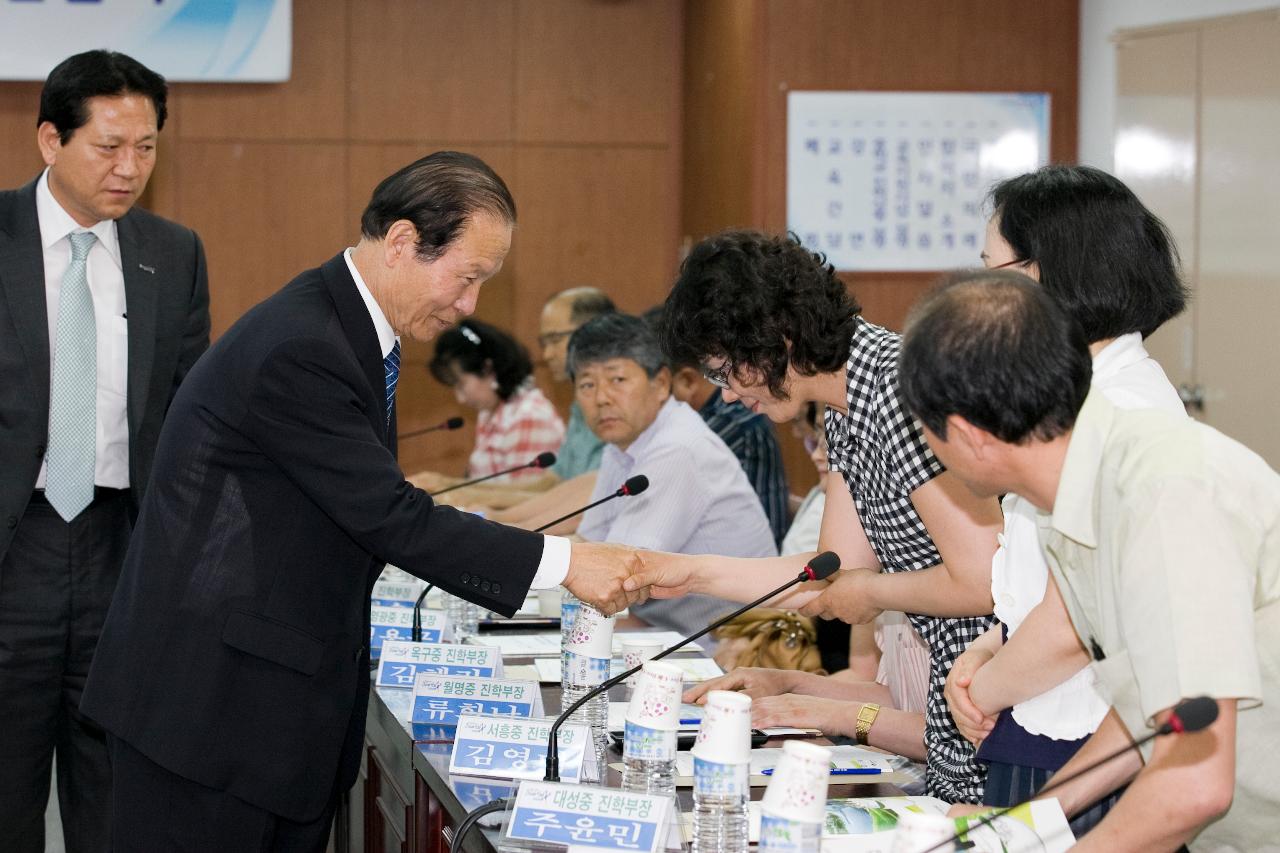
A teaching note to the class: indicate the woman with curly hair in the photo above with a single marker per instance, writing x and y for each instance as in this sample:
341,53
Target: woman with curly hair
490,371
775,328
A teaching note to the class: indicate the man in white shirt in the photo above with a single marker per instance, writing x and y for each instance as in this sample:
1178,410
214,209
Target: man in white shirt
103,310
1162,537
699,500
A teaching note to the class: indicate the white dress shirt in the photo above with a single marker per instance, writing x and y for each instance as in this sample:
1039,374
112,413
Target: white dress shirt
556,550
106,287
1129,378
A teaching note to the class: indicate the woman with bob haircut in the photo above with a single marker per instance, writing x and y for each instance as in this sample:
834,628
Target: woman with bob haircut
490,371
774,327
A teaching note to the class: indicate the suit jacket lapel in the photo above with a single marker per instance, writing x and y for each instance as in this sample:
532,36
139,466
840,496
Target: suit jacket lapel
357,325
22,287
142,276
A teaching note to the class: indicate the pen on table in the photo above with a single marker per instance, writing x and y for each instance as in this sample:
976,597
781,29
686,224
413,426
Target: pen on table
839,771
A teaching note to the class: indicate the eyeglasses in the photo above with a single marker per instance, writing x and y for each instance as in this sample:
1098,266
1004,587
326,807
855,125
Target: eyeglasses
546,339
718,376
1014,262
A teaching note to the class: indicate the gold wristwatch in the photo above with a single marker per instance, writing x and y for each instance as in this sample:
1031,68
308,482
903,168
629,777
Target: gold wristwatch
866,716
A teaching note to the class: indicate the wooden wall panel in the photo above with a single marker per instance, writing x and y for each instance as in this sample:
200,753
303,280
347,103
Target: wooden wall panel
265,211
442,70
605,217
310,106
595,71
19,106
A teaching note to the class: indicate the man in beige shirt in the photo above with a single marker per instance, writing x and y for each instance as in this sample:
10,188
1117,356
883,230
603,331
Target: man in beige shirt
1163,538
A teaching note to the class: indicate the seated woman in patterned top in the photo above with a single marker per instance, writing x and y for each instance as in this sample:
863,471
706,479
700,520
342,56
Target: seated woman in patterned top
774,327
490,371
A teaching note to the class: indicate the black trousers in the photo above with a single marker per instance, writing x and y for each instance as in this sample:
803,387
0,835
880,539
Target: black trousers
56,582
157,811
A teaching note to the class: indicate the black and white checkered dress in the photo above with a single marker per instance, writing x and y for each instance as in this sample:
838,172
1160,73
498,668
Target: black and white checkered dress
879,449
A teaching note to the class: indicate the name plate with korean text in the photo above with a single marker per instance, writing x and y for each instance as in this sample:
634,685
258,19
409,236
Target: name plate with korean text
504,748
396,623
441,699
396,593
590,817
401,661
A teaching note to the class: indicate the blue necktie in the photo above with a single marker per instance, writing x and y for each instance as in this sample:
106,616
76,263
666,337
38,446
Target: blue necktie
391,366
73,400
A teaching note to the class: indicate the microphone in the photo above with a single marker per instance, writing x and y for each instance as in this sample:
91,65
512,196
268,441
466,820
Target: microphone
633,486
544,459
819,568
451,424
1189,715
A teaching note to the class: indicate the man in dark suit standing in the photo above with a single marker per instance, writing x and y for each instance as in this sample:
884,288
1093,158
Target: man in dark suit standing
233,671
103,310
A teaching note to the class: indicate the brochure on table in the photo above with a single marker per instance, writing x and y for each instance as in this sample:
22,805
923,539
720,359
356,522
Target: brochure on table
695,669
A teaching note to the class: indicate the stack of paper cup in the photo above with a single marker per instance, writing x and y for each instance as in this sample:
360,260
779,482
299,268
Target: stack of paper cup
649,744
636,652
917,832
794,804
589,647
725,734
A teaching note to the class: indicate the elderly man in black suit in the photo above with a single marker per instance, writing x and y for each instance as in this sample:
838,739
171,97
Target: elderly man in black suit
233,671
103,310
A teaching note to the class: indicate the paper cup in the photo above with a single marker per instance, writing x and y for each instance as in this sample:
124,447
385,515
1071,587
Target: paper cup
655,704
549,602
591,635
725,734
798,788
636,652
917,832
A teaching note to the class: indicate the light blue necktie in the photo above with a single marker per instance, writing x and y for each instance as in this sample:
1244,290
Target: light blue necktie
73,418
391,367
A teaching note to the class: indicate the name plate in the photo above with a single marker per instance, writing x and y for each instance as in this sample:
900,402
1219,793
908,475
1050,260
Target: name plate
441,699
517,749
588,817
401,661
396,594
396,623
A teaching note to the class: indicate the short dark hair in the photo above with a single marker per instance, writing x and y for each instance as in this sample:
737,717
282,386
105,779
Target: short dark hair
439,194
994,348
95,74
1102,254
615,336
479,348
585,303
759,301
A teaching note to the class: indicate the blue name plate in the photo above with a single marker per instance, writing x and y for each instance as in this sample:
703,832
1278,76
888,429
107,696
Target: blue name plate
396,623
402,661
517,749
442,699
588,817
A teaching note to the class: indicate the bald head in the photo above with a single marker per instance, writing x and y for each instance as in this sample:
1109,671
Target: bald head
562,315
992,347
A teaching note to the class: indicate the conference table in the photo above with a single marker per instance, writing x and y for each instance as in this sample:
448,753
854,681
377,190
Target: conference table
405,800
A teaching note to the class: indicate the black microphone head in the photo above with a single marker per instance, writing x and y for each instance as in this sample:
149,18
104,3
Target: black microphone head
454,422
1192,715
823,566
545,459
634,485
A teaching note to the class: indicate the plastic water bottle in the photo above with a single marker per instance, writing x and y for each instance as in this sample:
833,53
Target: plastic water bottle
649,761
462,617
583,675
570,605
720,796
472,614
